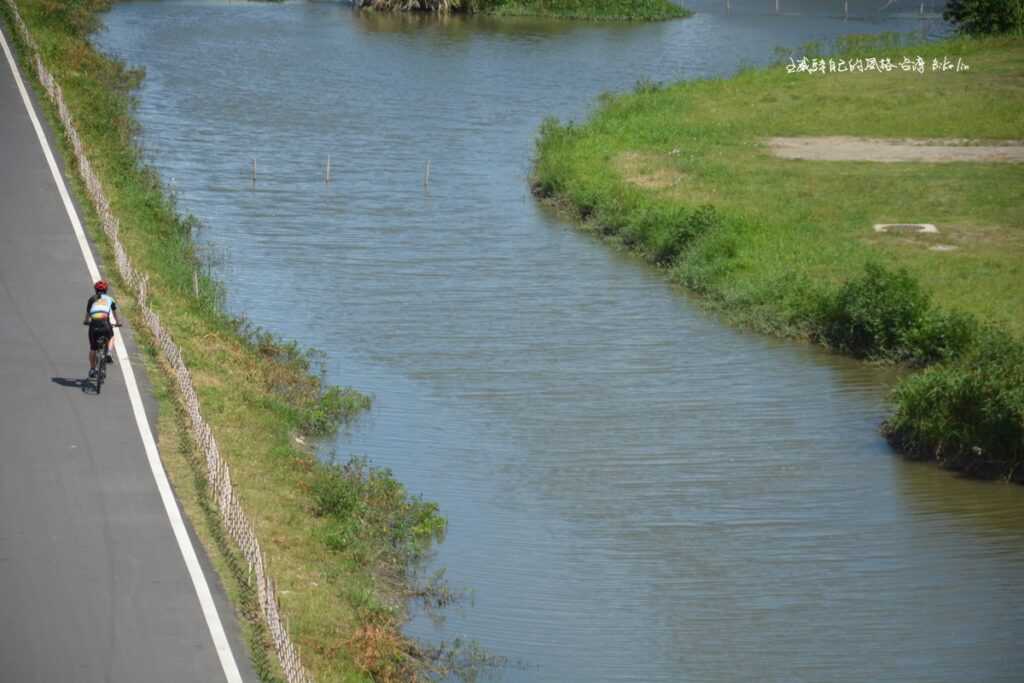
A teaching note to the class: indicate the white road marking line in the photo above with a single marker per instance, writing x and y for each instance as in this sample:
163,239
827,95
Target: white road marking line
220,640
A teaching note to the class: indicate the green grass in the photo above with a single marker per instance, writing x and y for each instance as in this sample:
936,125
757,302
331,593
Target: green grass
593,10
967,414
786,246
603,10
345,603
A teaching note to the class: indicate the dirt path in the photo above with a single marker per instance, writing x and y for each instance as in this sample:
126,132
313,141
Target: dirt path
841,148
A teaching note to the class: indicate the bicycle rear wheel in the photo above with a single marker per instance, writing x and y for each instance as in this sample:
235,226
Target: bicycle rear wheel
101,366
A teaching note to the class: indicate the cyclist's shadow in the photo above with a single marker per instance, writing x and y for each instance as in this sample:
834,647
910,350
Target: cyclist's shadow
86,385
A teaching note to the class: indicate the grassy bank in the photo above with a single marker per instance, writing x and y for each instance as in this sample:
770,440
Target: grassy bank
593,10
683,174
342,542
603,10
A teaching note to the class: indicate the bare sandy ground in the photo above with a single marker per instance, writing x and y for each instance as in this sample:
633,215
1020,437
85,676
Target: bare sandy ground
841,148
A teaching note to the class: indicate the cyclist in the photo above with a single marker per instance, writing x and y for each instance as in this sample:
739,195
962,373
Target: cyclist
99,312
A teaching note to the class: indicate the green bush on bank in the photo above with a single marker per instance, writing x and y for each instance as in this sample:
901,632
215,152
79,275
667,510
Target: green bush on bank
369,510
969,413
291,378
981,17
886,315
372,522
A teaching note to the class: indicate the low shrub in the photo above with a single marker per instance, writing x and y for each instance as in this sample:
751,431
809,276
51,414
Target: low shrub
334,494
365,503
978,17
678,228
885,315
940,336
321,415
709,263
967,414
80,16
874,316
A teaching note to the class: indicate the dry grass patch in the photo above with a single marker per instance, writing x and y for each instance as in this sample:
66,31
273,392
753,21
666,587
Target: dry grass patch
646,170
848,148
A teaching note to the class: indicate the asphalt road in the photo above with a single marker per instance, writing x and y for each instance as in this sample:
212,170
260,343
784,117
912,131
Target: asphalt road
93,586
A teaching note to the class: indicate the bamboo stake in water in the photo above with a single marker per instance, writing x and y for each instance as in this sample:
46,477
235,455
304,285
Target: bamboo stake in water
776,6
846,9
327,173
254,173
426,176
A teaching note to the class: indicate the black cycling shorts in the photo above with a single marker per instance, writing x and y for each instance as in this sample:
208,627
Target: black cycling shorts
97,329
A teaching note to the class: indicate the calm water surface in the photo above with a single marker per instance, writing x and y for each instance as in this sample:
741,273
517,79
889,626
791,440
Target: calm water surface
635,492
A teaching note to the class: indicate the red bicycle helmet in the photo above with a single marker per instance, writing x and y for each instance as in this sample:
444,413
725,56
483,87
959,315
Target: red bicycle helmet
101,286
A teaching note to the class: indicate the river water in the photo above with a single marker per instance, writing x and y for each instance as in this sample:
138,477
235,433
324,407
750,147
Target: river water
635,492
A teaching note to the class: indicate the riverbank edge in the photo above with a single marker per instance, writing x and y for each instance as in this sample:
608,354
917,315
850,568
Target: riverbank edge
963,408
664,11
614,11
266,381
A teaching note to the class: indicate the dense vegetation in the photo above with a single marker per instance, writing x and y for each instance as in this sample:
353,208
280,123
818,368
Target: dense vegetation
343,542
981,17
682,174
568,9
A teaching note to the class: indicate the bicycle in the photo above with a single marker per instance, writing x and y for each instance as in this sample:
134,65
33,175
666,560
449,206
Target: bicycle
101,360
